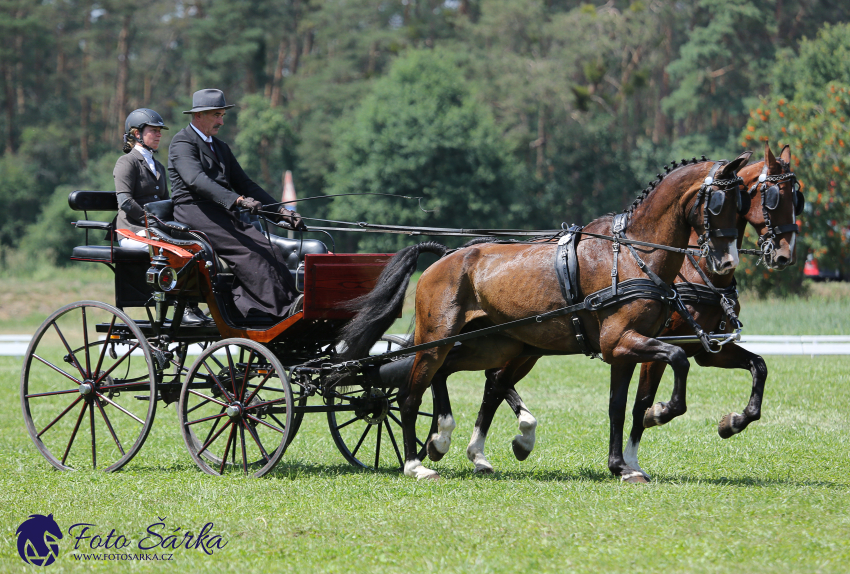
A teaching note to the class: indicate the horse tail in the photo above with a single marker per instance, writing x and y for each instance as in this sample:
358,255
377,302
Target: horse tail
377,310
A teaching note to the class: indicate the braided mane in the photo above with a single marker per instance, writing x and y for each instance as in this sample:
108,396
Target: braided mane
654,183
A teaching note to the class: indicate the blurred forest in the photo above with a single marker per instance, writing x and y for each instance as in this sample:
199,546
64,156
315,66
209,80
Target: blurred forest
502,113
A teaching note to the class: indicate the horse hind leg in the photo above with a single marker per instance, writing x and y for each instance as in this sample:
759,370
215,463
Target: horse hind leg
523,443
438,444
650,377
489,403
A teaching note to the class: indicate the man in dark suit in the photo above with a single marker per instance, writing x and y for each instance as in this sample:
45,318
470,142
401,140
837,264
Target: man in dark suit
209,187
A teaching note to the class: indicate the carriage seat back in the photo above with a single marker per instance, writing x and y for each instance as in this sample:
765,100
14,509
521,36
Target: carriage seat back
85,201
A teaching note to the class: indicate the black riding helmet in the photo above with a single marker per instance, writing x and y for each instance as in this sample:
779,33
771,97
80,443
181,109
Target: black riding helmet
140,118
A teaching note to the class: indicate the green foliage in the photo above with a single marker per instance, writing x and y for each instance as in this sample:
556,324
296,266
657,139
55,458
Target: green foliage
422,133
265,142
16,195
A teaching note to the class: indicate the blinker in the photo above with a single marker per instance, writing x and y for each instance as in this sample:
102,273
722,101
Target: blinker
771,197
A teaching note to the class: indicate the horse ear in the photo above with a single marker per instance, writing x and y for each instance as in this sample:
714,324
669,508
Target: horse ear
769,158
785,154
731,168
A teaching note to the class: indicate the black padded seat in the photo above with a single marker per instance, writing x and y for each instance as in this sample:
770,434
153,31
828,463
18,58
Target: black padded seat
294,250
103,254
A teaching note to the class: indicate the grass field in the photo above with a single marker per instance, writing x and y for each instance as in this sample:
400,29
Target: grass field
774,498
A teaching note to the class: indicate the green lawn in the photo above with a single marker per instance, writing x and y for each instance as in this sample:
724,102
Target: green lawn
774,498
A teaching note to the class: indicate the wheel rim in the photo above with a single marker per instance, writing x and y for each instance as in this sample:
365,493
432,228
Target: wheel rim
370,434
88,387
236,409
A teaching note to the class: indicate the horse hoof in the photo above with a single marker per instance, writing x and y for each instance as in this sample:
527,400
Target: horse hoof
634,477
727,427
520,452
652,416
482,469
415,470
432,451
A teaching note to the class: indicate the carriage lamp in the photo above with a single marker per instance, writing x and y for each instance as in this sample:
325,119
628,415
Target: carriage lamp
160,275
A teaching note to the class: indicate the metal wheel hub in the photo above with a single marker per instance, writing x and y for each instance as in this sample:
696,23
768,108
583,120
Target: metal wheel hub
234,411
376,407
87,387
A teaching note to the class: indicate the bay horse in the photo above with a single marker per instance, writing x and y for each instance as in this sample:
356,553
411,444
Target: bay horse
491,284
773,214
774,221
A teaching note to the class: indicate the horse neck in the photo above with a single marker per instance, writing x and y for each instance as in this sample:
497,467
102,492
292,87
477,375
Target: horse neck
662,218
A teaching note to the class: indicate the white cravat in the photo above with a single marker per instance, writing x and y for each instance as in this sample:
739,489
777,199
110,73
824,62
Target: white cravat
148,159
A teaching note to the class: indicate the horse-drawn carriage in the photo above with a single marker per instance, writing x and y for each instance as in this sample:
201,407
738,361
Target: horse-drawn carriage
94,372
493,306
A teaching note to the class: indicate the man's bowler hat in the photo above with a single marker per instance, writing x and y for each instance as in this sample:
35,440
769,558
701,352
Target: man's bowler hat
204,100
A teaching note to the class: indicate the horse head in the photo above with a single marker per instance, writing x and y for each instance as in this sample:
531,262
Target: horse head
713,214
776,201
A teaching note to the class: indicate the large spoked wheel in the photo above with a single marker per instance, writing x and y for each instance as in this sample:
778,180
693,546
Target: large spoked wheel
366,424
88,387
235,409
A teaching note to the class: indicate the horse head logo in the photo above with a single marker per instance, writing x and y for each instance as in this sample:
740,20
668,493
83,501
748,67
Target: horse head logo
38,540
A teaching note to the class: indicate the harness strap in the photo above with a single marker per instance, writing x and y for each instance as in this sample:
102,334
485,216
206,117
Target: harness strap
566,267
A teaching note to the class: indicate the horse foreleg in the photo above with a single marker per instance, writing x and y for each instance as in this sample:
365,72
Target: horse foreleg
621,375
735,357
650,377
493,397
629,350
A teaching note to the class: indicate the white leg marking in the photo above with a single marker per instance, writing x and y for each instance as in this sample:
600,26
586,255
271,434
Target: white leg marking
527,426
414,469
475,452
630,455
442,439
629,475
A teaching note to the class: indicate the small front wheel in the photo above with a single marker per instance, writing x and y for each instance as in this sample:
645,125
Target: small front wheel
236,409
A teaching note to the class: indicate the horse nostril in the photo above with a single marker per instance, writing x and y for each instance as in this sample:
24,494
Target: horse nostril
781,260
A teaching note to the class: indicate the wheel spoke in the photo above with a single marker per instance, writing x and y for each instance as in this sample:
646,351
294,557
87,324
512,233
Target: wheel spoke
262,422
362,438
209,440
244,454
57,369
345,424
209,418
260,385
227,449
272,402
74,434
70,352
254,436
378,447
120,408
86,341
62,414
420,413
52,393
105,343
93,440
232,369
392,440
217,382
118,362
210,399
109,426
247,370
199,405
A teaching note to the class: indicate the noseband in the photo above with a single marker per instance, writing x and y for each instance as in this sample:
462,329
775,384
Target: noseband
704,197
766,241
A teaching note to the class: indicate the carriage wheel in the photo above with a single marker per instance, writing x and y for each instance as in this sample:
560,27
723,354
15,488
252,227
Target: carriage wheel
88,387
236,408
370,436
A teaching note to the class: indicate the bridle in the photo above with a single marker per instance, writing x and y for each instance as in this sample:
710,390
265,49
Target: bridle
712,202
769,186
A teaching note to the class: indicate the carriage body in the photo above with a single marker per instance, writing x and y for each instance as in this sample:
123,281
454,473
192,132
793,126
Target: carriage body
253,376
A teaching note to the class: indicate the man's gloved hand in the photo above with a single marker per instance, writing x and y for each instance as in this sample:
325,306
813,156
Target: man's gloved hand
292,219
250,204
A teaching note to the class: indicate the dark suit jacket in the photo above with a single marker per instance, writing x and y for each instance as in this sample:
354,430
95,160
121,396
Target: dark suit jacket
197,176
136,185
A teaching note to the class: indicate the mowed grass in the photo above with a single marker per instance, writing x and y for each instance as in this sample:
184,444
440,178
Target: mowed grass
774,498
